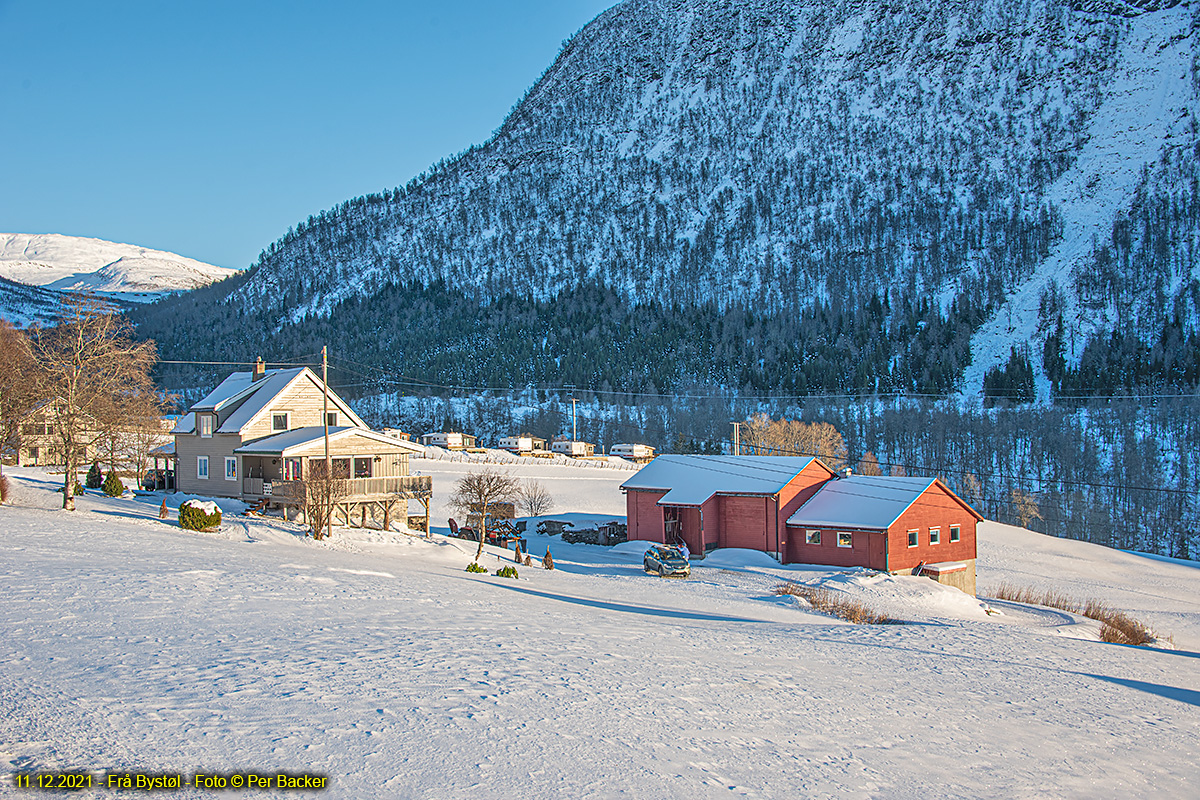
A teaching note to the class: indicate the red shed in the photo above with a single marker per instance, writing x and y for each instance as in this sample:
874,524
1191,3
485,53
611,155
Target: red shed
720,501
889,524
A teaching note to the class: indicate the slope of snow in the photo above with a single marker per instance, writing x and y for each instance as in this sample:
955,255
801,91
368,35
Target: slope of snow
126,643
1139,113
77,263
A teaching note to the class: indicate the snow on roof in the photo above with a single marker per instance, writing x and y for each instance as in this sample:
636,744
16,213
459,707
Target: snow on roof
860,501
257,395
186,424
690,480
297,438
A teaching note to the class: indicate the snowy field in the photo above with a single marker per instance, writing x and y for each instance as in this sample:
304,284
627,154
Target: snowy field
129,644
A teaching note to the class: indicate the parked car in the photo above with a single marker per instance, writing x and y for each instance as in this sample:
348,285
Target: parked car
666,561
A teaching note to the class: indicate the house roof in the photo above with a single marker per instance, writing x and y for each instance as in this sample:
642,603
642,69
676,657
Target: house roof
289,442
255,397
691,480
871,502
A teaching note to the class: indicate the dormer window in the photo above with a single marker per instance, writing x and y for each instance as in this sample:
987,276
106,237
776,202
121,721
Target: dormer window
206,425
279,421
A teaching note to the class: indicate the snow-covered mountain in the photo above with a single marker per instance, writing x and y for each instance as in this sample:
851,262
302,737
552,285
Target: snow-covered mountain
123,271
979,174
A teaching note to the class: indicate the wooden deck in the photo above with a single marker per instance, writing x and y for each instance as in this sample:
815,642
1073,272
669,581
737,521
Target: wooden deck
408,487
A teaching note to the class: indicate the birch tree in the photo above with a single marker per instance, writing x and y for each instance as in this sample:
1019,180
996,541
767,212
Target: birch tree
88,367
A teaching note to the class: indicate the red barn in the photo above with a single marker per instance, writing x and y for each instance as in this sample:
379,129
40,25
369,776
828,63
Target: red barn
799,511
889,524
720,501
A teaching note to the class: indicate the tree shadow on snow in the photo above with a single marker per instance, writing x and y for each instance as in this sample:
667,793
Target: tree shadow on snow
609,605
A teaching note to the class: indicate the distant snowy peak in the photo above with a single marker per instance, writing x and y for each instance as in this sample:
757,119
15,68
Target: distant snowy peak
73,263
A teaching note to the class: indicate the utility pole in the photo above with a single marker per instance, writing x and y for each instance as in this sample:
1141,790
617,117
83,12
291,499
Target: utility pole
325,420
737,438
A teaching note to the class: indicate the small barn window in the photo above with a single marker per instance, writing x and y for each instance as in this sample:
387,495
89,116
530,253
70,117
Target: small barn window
279,421
955,533
812,537
935,535
202,467
845,539
912,538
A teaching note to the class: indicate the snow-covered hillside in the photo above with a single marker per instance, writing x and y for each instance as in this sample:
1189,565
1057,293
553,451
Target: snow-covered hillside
774,155
128,644
125,271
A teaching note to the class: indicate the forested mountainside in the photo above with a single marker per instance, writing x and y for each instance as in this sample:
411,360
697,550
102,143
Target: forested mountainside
812,196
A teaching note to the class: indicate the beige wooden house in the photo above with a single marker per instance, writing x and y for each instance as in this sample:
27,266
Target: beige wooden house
40,445
258,434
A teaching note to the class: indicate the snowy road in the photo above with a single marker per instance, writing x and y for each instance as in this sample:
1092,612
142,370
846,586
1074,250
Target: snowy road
127,643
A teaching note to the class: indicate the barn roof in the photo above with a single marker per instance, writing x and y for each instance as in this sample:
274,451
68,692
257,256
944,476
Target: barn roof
690,480
872,502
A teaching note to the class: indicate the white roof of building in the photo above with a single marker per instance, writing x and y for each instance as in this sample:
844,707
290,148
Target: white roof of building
298,438
257,397
690,480
871,502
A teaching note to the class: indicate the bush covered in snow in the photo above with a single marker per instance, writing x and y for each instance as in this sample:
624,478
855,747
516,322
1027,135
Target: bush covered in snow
197,515
112,484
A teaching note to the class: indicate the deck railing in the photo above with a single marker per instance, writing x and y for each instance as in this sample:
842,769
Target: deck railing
404,486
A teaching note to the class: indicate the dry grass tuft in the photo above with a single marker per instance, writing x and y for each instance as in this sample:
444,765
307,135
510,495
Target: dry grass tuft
1116,627
829,602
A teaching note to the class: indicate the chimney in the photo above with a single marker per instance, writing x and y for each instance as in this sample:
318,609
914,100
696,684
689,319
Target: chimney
846,472
260,369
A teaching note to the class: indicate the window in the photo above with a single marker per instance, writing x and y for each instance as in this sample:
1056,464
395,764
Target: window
206,425
33,454
331,419
231,468
935,535
202,467
955,533
341,467
812,537
912,538
845,539
362,467
279,421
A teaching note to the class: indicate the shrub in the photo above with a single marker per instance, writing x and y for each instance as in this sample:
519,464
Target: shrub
94,477
197,516
1116,627
112,485
507,572
474,567
828,602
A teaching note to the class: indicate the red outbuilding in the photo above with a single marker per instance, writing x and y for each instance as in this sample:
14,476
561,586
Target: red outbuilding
799,511
720,501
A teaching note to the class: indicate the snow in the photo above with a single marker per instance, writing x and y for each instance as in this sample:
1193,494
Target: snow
1138,117
129,643
690,480
73,262
860,501
209,507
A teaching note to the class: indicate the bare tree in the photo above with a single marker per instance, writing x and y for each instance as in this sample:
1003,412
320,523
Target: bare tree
764,436
1025,506
88,367
321,491
869,465
477,492
18,394
535,499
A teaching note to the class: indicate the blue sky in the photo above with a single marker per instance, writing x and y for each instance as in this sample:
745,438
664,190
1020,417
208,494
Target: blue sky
206,129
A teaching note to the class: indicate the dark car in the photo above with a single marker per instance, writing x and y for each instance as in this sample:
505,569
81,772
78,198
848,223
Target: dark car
667,562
